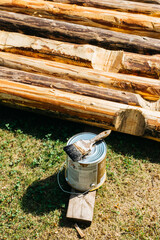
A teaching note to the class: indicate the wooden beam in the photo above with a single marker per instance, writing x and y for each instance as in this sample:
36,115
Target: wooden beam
118,5
74,107
81,207
138,24
60,30
146,87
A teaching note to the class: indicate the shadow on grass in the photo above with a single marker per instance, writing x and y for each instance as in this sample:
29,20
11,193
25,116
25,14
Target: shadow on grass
139,148
45,195
39,126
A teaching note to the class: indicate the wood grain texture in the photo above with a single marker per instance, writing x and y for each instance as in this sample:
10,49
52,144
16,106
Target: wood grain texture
81,207
80,232
141,65
147,88
147,1
77,54
118,5
81,55
79,88
79,108
138,24
68,32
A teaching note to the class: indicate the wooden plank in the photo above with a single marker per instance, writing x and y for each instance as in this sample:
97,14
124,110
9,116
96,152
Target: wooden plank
81,234
76,33
80,207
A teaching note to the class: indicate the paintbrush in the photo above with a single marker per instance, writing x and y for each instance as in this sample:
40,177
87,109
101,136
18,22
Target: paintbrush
81,148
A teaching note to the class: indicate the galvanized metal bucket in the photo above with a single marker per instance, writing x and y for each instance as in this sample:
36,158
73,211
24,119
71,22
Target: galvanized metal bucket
90,173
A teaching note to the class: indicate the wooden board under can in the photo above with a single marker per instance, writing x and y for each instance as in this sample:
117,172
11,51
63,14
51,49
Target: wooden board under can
81,207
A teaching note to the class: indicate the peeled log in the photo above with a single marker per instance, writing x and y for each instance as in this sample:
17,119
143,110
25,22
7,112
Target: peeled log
131,63
120,117
81,55
120,5
79,88
142,65
138,24
147,1
59,30
146,87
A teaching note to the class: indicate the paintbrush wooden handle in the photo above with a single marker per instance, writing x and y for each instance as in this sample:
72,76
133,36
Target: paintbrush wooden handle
100,136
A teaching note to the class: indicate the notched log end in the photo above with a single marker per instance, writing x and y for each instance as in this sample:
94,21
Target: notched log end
130,121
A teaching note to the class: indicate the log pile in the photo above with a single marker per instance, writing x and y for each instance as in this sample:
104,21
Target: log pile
96,62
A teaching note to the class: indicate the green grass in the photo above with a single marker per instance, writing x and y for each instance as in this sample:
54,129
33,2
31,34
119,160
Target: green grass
33,207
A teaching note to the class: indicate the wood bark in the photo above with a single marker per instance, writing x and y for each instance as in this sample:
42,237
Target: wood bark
147,88
75,33
141,65
138,24
81,55
120,5
147,1
79,88
119,117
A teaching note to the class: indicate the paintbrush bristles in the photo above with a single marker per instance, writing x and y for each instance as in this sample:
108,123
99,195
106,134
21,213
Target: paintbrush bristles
73,152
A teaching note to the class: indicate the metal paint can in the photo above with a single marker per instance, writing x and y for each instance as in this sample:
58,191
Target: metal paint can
91,171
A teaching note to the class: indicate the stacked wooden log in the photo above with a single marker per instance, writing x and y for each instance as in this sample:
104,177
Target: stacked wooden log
96,62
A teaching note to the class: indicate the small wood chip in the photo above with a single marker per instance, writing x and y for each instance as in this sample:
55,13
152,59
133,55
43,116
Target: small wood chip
79,230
